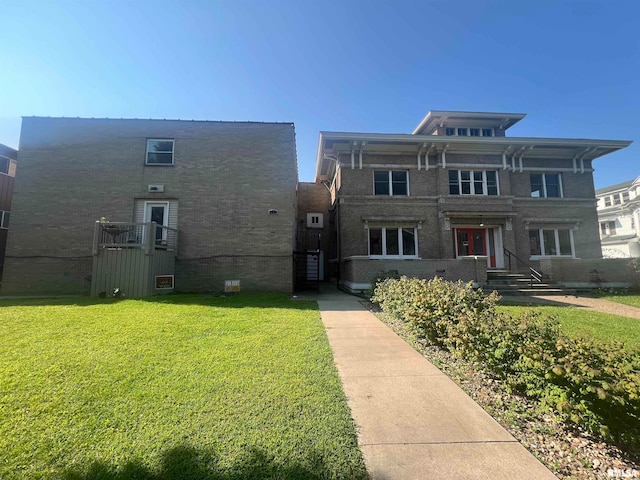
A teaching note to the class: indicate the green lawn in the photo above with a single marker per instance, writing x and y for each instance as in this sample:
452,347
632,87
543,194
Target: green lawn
177,387
578,322
633,300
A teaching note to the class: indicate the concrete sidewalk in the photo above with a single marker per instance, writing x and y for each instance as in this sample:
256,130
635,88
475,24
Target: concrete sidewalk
414,422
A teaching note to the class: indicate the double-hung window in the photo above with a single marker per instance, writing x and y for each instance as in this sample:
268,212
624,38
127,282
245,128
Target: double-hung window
159,151
473,182
393,182
545,185
551,242
4,219
393,242
607,201
608,228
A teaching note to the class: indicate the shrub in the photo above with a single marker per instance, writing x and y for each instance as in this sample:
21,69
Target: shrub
590,384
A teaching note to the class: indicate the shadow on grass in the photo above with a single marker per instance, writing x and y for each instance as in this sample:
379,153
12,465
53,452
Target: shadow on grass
188,463
242,300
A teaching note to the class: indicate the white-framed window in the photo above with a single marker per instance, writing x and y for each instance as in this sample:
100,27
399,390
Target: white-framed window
473,182
625,197
607,201
545,185
617,200
4,219
551,242
159,151
392,182
468,132
393,242
315,220
7,166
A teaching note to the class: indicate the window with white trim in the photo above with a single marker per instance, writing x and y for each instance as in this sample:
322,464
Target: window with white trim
468,132
545,185
607,201
473,182
625,197
393,242
315,220
392,182
551,242
4,219
159,151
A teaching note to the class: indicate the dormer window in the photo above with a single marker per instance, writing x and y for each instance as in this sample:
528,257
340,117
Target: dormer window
463,132
474,132
450,132
487,132
468,132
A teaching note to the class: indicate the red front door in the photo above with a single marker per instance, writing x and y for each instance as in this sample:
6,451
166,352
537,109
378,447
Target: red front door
471,241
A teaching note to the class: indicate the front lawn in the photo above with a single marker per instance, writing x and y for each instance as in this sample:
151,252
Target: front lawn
178,387
632,300
577,322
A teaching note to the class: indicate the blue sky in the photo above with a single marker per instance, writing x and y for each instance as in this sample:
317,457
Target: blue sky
359,66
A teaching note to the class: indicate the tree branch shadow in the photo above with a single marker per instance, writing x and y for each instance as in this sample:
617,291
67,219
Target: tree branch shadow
187,463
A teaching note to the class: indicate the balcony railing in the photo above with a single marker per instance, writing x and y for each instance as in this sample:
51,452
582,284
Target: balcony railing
120,235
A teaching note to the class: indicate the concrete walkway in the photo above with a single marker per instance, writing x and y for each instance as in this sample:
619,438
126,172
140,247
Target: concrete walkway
413,422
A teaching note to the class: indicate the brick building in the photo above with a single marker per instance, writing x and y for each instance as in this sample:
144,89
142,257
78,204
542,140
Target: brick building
221,193
458,197
8,157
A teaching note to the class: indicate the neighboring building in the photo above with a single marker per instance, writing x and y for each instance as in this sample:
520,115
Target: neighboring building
8,157
457,197
619,214
222,195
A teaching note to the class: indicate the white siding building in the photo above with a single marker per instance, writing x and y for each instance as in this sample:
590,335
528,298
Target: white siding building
619,217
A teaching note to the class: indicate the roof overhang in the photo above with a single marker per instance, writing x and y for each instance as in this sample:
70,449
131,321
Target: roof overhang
438,118
331,144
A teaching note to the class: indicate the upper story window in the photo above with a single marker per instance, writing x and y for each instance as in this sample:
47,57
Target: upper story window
392,182
625,197
468,132
393,242
617,200
473,182
607,201
7,166
159,151
545,185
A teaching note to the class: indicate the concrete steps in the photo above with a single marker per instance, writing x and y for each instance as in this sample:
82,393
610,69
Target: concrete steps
519,284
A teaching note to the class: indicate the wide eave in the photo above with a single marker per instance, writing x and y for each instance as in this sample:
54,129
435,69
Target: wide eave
332,143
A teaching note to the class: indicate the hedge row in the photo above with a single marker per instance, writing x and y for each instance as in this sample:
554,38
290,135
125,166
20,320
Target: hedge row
593,385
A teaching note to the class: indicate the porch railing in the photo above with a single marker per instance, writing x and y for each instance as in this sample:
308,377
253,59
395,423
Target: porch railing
534,275
148,236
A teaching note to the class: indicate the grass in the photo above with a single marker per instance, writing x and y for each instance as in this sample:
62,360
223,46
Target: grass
577,322
178,387
632,300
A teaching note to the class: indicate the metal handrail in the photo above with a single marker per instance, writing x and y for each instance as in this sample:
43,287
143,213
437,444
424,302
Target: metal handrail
534,275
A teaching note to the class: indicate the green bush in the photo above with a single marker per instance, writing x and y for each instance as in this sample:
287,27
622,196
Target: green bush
594,385
432,307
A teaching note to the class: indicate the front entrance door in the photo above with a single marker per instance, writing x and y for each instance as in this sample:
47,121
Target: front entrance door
482,242
157,212
471,241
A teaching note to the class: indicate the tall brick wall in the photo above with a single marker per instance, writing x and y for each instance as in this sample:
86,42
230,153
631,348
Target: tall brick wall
429,202
226,177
